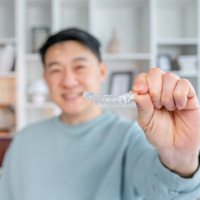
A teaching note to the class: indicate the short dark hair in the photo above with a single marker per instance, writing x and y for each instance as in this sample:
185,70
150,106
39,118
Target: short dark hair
75,34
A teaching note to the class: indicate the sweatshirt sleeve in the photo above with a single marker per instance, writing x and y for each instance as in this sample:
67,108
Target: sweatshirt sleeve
146,176
11,175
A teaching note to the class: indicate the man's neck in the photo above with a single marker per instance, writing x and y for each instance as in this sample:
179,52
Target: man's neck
77,118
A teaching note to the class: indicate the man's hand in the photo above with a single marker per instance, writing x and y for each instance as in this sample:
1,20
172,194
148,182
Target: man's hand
169,113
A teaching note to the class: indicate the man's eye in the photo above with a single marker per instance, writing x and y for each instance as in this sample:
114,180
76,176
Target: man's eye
80,67
55,71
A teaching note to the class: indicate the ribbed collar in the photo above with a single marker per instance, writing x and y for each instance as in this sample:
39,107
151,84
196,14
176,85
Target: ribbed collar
84,126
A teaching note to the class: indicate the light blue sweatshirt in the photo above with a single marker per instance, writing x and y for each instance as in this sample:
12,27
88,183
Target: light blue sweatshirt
106,158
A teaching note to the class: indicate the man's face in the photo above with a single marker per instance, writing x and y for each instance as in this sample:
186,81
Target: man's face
71,69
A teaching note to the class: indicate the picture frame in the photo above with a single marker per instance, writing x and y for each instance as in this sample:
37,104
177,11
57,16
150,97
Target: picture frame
39,35
164,61
120,82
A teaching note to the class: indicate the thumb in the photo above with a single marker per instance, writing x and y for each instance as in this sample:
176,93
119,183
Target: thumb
143,101
145,109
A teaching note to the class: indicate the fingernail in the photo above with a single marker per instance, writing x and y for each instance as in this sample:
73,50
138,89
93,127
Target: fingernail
157,105
140,87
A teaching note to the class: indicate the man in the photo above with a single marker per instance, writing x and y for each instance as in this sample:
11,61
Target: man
90,154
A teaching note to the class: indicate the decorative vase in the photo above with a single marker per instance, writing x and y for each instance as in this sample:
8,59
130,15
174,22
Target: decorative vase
114,43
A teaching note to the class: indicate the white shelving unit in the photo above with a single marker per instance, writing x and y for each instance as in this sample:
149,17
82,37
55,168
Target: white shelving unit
7,37
177,24
145,29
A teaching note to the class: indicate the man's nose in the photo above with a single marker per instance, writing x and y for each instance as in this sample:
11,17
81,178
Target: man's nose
69,79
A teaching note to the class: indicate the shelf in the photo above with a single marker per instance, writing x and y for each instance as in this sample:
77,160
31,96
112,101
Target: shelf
176,2
32,57
176,50
7,40
119,3
38,2
118,56
178,41
126,56
186,74
8,74
74,2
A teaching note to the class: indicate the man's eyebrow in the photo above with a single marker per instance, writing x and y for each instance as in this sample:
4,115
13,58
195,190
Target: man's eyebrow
79,59
51,64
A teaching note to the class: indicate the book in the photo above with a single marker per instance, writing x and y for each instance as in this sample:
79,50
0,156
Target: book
7,57
8,90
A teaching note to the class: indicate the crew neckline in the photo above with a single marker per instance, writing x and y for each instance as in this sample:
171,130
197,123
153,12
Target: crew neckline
83,125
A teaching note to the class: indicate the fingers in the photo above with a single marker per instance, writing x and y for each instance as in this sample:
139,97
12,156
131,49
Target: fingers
185,95
143,100
165,90
177,93
169,83
140,85
154,79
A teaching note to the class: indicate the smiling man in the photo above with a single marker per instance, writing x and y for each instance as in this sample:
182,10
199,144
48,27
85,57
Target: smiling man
88,153
71,69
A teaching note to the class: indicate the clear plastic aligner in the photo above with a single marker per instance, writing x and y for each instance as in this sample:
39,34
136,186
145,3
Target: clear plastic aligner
110,99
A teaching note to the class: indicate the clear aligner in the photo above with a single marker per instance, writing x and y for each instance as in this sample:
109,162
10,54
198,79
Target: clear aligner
110,99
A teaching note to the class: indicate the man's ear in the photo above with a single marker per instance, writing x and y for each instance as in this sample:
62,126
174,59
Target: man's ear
103,71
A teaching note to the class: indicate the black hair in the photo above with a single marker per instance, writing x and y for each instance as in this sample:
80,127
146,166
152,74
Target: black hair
75,34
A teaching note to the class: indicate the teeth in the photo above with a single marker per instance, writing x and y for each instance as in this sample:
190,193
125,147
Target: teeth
71,95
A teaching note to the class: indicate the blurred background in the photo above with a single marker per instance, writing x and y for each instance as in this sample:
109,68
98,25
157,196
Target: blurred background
135,35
